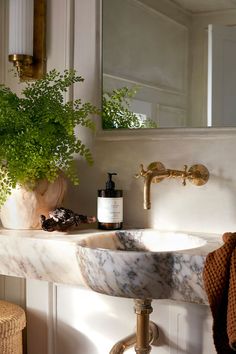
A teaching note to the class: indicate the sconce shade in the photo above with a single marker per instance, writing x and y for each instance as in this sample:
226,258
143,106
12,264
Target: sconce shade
27,38
21,27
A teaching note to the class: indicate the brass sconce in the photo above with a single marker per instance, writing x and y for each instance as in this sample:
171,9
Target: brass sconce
27,38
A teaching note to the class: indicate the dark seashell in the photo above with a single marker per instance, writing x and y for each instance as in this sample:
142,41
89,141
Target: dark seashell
62,219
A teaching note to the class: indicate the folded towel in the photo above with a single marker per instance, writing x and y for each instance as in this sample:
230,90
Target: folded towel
219,277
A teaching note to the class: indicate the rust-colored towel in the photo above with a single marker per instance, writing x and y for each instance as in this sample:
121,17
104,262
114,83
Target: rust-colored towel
219,277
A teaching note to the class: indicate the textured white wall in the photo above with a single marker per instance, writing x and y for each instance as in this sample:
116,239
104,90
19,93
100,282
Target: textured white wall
209,208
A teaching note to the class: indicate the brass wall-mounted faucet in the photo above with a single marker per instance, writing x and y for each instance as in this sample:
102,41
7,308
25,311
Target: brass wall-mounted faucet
156,172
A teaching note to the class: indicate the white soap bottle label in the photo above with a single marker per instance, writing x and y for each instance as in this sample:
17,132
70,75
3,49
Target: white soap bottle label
110,210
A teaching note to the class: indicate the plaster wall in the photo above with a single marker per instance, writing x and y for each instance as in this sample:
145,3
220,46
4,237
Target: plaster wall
209,208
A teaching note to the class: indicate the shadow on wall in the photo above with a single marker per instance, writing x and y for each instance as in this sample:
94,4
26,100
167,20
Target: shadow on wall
72,341
63,339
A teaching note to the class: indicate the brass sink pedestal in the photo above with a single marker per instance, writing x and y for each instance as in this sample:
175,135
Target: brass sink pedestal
146,331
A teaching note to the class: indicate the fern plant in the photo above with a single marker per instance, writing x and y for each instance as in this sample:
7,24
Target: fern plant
117,113
37,132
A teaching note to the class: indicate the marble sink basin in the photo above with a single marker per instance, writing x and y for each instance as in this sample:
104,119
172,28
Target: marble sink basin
142,264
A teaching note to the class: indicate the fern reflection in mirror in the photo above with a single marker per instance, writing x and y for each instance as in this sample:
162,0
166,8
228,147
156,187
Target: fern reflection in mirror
117,111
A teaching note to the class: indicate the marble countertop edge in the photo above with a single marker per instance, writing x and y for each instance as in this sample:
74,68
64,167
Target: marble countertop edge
52,257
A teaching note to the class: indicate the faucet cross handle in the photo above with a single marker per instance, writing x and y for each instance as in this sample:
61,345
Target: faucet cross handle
198,174
154,169
142,172
184,176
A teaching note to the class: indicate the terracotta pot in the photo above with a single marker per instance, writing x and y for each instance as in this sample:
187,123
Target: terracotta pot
23,208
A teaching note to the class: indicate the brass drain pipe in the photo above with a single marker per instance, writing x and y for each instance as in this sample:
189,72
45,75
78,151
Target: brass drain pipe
124,344
142,309
146,331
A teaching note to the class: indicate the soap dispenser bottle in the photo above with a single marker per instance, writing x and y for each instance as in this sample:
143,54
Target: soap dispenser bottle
110,206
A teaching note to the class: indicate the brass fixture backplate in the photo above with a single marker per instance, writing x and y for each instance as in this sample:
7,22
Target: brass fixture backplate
198,175
157,166
40,17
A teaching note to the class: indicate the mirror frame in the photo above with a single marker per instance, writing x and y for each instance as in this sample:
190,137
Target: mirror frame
154,133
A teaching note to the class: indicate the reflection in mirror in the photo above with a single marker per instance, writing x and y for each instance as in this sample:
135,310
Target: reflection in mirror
169,63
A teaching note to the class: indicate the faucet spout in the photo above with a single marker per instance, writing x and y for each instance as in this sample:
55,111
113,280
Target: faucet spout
159,176
147,192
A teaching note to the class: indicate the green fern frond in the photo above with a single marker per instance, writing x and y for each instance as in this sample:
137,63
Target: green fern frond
37,131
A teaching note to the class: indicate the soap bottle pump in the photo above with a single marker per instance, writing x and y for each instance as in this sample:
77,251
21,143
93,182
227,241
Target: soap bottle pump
110,206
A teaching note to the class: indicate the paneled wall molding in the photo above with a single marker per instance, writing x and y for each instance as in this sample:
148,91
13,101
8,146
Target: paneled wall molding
189,326
168,9
12,289
69,40
60,39
160,10
170,115
69,31
41,305
39,298
2,287
3,34
166,134
143,84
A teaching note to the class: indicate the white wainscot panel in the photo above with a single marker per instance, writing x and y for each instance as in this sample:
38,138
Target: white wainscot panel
90,323
67,320
190,329
12,289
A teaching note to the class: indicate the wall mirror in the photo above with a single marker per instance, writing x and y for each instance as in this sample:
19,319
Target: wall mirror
169,64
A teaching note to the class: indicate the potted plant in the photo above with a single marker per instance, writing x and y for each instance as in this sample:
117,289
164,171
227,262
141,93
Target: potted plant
38,145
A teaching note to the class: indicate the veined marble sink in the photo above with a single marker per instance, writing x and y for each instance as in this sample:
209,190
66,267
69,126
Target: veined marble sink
138,267
145,240
143,264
